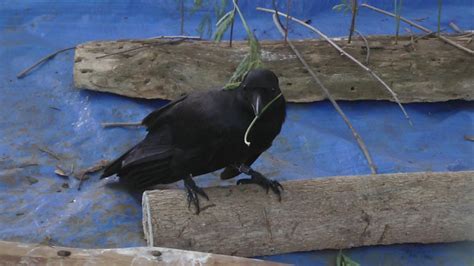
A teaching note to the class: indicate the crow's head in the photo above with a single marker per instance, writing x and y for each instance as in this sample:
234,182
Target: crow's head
260,87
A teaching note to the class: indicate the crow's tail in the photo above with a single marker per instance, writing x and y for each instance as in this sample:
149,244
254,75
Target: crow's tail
115,166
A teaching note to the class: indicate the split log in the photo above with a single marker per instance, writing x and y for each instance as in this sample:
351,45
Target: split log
427,71
12,253
333,213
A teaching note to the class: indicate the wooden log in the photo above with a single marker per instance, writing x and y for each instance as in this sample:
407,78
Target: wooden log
333,213
429,71
12,253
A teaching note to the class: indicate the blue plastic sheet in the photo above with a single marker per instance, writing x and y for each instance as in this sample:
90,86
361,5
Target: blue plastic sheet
44,110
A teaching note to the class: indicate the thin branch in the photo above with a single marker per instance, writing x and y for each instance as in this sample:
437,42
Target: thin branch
333,44
175,37
354,14
288,4
455,27
124,51
367,57
424,36
82,175
121,124
232,27
50,153
469,137
42,60
147,45
279,21
440,4
359,140
398,10
412,40
465,49
181,14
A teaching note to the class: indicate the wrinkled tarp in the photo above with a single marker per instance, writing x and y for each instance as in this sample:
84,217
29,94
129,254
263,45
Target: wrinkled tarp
44,110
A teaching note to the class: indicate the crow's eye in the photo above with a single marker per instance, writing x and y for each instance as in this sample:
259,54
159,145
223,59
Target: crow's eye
273,89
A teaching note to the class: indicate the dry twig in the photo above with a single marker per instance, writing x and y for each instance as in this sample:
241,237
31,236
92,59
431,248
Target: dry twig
333,44
50,153
423,36
232,27
367,57
455,27
121,124
354,14
82,175
288,3
412,40
147,45
469,137
175,37
465,49
23,73
359,140
181,14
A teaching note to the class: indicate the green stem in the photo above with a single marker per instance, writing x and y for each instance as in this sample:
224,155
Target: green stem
258,116
232,28
440,4
247,29
398,9
181,14
354,14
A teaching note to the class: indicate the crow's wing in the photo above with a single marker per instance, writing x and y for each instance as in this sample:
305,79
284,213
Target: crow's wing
149,162
151,120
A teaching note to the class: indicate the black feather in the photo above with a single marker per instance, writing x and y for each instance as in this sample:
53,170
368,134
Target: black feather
203,132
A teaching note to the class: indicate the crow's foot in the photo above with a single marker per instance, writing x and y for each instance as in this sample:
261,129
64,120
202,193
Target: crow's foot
192,191
259,179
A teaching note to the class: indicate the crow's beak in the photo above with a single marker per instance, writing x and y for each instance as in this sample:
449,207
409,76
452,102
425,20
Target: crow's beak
257,105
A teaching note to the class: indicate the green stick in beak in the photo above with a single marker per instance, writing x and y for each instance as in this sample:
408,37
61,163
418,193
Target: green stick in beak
258,114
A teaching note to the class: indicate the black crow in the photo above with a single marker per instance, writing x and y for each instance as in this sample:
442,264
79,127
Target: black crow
203,132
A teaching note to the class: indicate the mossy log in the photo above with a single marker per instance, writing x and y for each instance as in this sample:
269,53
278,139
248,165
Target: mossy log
427,71
314,214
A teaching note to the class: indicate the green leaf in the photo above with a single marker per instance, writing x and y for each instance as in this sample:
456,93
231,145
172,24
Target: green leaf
205,26
223,24
343,260
198,4
344,6
253,59
338,7
219,10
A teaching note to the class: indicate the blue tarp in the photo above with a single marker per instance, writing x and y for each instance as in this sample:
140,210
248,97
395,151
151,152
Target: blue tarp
44,110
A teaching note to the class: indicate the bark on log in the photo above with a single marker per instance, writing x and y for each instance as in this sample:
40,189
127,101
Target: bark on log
333,213
12,253
431,72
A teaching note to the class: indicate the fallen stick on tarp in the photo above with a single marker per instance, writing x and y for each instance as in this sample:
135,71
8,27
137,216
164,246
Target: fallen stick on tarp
331,213
13,253
431,73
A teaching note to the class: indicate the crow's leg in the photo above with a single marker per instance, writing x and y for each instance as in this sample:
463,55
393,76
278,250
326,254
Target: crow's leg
259,179
193,190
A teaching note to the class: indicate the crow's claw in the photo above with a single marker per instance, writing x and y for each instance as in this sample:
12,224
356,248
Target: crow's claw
193,191
201,192
267,184
192,197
